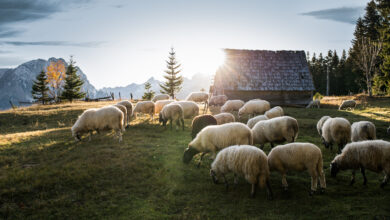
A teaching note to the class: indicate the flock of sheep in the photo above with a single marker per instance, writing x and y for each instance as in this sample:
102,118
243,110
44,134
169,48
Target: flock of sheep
232,143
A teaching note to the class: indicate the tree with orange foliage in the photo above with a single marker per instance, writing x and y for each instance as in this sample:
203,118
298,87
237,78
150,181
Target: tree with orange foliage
55,76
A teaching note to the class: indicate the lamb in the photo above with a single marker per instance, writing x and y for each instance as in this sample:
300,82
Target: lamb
242,160
99,119
216,137
124,111
218,100
160,97
274,112
198,97
232,105
146,107
336,131
158,105
225,117
314,103
320,123
172,112
254,107
373,155
201,121
191,109
275,130
363,130
298,157
129,108
251,122
348,104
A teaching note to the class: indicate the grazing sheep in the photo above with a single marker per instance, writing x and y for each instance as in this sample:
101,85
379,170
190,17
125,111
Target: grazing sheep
232,105
129,108
190,108
363,130
336,131
348,104
320,123
160,97
274,112
251,122
172,112
242,160
124,111
218,100
254,107
275,130
201,121
216,137
158,106
373,155
314,103
225,117
145,107
298,157
198,97
99,119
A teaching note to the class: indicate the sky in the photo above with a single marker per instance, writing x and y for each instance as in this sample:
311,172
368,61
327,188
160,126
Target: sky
119,42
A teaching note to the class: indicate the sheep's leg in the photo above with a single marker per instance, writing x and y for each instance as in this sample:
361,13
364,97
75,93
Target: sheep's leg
253,191
226,182
353,178
119,133
284,182
322,181
171,121
269,191
314,179
363,171
200,160
182,123
385,180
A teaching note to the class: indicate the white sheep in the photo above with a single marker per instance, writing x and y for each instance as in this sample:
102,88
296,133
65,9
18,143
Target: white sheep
224,117
251,122
174,113
320,123
99,119
160,97
190,108
158,105
254,107
216,137
348,104
218,100
336,131
145,107
129,108
243,160
314,103
274,112
373,155
124,111
198,97
298,157
363,130
232,105
275,130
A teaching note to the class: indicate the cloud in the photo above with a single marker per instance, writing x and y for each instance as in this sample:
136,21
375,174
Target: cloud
53,43
344,14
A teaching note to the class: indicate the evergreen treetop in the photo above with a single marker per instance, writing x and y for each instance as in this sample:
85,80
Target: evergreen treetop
73,83
173,82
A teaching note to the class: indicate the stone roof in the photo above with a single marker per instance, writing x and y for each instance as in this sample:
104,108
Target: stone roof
264,70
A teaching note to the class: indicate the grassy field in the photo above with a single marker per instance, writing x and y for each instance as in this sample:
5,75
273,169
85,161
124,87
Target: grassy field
44,173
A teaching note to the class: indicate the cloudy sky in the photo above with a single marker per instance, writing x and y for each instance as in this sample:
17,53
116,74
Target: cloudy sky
119,42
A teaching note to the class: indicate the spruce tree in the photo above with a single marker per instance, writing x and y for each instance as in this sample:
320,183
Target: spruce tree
173,82
148,94
73,83
40,88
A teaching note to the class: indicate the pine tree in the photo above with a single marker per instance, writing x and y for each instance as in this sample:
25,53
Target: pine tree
73,83
148,94
173,82
40,88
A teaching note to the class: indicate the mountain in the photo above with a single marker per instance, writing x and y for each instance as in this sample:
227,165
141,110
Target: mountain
15,84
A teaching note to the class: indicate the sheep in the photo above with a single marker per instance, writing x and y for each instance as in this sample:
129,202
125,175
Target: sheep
298,157
254,107
191,109
336,131
363,130
158,105
216,137
225,117
146,107
160,97
274,112
232,105
320,123
275,130
129,108
99,119
242,160
218,100
348,104
314,103
172,112
251,122
198,97
201,121
124,111
373,155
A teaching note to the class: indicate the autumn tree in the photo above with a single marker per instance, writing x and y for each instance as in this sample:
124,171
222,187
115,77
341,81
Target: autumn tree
55,76
148,94
73,83
40,88
173,82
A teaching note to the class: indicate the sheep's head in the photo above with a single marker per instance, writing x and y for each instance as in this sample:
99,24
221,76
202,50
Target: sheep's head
213,176
189,153
76,135
334,169
160,118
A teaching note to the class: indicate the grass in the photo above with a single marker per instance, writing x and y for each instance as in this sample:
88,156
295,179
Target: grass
44,173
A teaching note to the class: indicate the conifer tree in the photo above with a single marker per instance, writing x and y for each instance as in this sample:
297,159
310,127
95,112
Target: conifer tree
73,83
40,88
148,94
173,82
